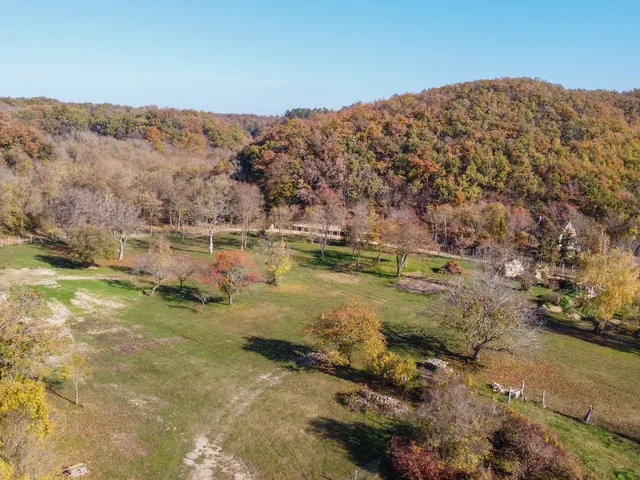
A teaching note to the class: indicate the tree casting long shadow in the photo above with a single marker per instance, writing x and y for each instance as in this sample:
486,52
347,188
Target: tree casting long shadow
291,356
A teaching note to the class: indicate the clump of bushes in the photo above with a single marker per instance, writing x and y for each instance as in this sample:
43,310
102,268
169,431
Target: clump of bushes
88,244
454,434
551,299
523,449
391,368
451,268
526,282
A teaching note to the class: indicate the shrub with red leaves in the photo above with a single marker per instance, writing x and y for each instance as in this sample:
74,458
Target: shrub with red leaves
409,461
451,268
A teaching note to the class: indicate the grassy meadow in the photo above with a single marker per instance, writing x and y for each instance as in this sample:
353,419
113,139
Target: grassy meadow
175,391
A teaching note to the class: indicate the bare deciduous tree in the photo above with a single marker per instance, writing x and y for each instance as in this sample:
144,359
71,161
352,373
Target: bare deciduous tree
247,206
327,214
490,315
158,262
212,204
359,229
405,235
124,220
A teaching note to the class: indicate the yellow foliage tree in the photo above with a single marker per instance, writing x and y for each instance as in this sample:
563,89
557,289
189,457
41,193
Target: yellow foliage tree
613,276
339,332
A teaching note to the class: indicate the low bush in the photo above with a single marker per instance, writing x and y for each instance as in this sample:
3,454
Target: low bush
551,298
523,449
88,244
391,368
451,268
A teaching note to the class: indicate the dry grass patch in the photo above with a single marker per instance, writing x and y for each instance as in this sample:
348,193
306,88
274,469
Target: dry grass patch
337,277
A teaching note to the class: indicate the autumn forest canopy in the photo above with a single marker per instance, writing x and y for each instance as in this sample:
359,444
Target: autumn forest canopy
515,142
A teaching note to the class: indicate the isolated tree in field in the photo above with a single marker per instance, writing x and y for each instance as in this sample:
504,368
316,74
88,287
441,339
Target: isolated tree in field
76,370
232,272
489,316
247,206
212,204
124,220
341,331
184,267
329,212
405,234
158,262
359,225
613,277
276,256
88,244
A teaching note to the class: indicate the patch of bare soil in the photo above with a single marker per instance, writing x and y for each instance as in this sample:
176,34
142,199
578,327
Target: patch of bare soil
59,313
91,304
416,285
207,460
337,277
40,276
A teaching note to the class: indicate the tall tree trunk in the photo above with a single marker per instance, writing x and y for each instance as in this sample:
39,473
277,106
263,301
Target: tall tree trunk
476,353
121,253
380,252
399,265
211,241
77,396
153,290
230,299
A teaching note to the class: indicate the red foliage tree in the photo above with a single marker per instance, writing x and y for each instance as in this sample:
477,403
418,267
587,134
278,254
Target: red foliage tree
232,271
409,461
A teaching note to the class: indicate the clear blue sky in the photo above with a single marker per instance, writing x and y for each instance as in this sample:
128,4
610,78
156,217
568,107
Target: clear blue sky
267,56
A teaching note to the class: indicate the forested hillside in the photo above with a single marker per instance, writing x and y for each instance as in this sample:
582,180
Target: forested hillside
518,141
507,144
147,156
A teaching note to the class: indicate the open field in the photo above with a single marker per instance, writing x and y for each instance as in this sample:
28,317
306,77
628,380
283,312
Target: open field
177,393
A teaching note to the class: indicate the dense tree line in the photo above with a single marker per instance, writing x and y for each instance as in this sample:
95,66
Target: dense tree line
520,142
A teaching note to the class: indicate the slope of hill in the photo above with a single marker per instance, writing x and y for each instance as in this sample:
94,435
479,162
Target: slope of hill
521,141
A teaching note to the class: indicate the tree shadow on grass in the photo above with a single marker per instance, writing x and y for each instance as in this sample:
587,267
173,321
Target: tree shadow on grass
57,261
606,339
124,284
343,262
417,341
295,356
364,443
187,294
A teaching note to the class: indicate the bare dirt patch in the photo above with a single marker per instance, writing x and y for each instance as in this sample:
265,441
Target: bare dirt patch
90,304
59,313
416,285
40,276
207,459
343,278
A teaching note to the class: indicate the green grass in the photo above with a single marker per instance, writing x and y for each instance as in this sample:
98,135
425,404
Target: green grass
164,373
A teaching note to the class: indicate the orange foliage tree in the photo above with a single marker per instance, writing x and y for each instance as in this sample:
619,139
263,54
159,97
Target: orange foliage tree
231,272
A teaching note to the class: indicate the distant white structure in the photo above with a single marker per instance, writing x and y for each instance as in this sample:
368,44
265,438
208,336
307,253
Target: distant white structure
513,269
567,240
